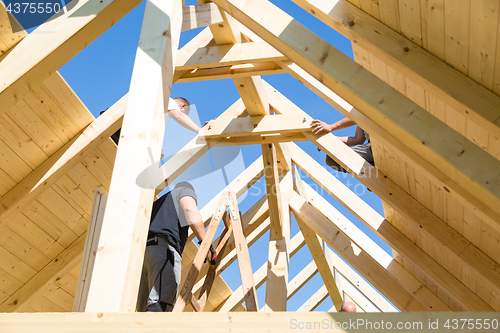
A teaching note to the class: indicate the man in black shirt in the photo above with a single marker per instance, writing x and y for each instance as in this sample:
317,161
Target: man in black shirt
171,216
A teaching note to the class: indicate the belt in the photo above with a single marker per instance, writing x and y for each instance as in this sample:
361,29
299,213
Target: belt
154,240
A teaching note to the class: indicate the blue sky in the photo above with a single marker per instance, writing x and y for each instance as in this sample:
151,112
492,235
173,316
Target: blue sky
100,75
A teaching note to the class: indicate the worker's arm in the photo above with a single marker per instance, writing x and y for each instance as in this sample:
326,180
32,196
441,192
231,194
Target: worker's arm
183,120
357,139
319,126
193,216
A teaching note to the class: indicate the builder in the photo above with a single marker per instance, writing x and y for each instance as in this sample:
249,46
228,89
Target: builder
348,307
356,142
171,216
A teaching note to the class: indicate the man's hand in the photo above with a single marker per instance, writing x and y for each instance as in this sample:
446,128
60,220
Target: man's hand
319,126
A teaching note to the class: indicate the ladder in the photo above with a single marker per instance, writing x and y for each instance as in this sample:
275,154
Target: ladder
233,225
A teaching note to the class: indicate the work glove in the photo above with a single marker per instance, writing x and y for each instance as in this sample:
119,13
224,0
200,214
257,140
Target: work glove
211,255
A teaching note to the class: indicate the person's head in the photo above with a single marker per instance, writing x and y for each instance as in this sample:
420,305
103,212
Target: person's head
348,307
184,184
183,104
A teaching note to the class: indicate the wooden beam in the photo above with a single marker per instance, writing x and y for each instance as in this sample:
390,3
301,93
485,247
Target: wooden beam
200,16
360,283
260,276
11,32
229,72
62,264
236,322
257,125
433,227
421,132
203,39
396,239
279,236
315,300
468,199
72,153
39,55
361,260
118,264
247,282
456,89
259,140
89,251
317,248
226,55
357,297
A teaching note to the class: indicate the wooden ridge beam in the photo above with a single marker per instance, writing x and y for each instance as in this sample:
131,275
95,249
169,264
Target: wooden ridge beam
360,259
456,89
39,55
118,263
226,55
61,265
396,239
445,149
317,248
433,227
57,165
230,322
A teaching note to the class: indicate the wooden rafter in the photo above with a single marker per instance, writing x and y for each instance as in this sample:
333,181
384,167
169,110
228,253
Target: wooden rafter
38,55
72,153
419,130
360,259
317,248
395,238
453,87
316,299
434,228
200,16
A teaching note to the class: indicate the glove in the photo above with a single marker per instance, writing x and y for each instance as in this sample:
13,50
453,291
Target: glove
212,255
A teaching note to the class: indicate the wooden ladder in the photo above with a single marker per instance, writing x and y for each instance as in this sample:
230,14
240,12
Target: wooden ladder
233,224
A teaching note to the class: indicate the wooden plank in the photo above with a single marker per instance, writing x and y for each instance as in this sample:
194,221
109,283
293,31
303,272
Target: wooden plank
21,71
9,35
45,278
226,55
389,13
256,125
260,276
432,21
415,161
371,7
356,84
19,247
409,17
14,266
230,72
89,251
132,185
315,300
226,322
186,291
200,16
61,162
483,36
35,128
317,247
247,281
420,66
457,33
386,230
359,259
